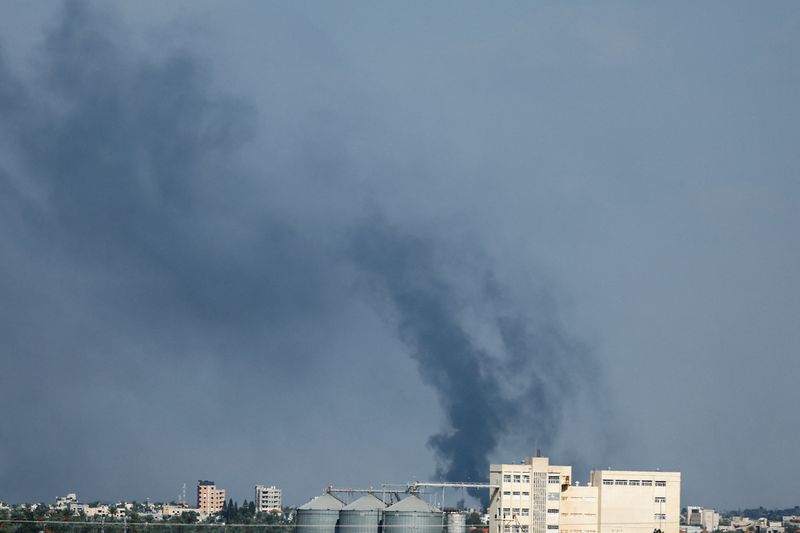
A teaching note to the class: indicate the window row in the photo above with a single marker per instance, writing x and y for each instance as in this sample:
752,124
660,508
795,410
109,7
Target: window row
661,499
634,482
516,478
554,479
515,511
661,516
515,529
523,493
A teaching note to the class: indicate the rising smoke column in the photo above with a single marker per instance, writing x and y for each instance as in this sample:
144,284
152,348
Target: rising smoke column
124,206
517,388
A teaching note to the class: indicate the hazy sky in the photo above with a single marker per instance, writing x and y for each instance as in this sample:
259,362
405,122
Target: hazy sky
311,242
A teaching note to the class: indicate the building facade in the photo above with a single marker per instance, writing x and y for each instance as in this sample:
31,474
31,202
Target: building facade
634,501
537,497
209,498
268,499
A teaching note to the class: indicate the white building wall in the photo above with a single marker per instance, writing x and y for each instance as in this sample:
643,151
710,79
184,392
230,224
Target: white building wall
638,501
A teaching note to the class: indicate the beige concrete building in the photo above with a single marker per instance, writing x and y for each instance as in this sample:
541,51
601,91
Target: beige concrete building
537,497
634,501
209,497
267,499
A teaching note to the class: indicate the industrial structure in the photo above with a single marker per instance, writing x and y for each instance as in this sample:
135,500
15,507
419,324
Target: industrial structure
320,515
528,497
537,497
369,514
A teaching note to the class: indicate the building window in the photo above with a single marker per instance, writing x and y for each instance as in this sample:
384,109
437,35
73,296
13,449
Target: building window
526,479
554,479
507,528
634,482
552,511
525,511
661,516
523,529
507,478
506,511
526,493
608,482
661,499
621,482
506,493
552,526
516,493
553,496
647,483
517,478
661,483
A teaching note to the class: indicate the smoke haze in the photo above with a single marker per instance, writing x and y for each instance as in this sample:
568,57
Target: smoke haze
316,244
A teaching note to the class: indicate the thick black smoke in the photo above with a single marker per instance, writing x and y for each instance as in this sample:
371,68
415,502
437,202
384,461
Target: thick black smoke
520,387
136,243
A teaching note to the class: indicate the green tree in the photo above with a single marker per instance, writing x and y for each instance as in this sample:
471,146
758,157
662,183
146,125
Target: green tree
474,519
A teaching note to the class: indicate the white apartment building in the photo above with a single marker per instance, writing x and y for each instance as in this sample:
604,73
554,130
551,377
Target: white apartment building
209,497
537,497
707,519
63,502
267,499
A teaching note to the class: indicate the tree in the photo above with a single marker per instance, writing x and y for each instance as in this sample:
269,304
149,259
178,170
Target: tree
474,519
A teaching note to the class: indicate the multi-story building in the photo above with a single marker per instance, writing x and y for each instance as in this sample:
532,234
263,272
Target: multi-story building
634,501
209,498
708,519
537,497
268,499
694,515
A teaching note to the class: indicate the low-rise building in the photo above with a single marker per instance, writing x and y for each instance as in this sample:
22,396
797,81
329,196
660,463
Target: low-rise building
78,508
169,511
97,510
63,502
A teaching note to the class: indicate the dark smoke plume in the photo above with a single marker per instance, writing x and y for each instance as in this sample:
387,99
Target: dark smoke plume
132,237
520,387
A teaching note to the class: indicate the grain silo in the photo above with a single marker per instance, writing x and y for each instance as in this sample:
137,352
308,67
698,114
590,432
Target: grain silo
412,515
456,522
319,515
362,516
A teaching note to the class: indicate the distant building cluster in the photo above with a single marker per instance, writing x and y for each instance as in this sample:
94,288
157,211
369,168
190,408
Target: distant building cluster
532,496
210,501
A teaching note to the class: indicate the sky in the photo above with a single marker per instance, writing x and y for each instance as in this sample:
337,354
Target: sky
356,243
